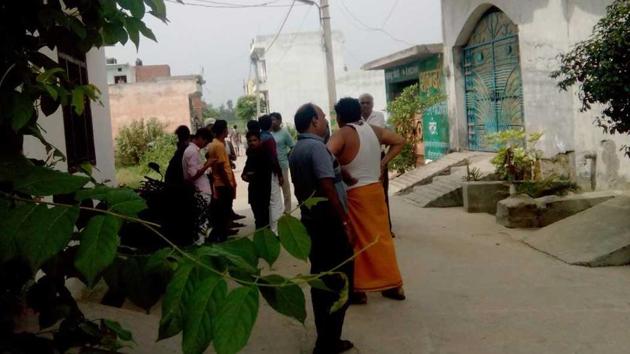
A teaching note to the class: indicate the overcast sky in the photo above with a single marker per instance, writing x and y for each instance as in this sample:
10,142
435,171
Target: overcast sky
218,39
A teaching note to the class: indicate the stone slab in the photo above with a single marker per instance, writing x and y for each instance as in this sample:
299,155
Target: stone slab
482,197
522,211
599,236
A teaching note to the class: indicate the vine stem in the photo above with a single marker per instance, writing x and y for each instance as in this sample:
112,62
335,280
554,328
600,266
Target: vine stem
153,228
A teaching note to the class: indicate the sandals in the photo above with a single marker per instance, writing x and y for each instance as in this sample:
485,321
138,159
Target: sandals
394,294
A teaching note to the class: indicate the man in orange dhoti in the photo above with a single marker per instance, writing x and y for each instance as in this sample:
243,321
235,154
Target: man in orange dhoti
357,146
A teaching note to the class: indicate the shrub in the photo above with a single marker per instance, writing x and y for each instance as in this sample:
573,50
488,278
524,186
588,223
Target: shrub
406,111
132,140
159,151
552,185
517,157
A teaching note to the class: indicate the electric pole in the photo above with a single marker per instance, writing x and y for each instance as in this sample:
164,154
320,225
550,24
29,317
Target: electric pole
324,18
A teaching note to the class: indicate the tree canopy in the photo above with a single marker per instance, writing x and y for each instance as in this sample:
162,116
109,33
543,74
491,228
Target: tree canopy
600,66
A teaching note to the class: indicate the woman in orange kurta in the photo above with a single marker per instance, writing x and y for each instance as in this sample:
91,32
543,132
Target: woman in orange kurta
357,146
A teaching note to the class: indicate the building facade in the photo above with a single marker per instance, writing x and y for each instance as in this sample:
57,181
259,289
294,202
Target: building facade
498,57
420,65
292,72
149,91
86,138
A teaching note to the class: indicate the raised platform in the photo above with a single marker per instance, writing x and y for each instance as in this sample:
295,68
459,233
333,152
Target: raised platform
599,236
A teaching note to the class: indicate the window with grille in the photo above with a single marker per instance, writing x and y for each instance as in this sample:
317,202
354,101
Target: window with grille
78,128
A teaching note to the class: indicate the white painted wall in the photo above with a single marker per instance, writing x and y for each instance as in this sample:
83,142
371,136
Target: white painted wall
356,83
114,70
53,125
296,73
546,29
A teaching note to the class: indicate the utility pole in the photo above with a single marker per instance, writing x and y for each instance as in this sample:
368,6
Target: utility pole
324,18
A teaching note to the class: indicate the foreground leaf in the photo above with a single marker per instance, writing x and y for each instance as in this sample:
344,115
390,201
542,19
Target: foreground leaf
267,245
287,299
236,318
177,294
313,201
115,327
45,232
201,311
233,258
42,181
99,243
11,222
294,237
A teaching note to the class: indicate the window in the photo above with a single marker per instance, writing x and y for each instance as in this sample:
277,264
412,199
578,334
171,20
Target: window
78,128
120,79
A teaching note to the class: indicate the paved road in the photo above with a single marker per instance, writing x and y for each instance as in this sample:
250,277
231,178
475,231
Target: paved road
472,287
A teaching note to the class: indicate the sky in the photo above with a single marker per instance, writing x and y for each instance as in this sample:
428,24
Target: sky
215,41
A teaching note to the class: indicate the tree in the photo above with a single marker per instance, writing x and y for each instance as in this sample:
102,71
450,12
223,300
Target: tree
209,111
600,66
246,107
55,226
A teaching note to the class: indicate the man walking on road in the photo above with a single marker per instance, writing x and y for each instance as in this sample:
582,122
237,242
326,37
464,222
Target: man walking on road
284,144
315,172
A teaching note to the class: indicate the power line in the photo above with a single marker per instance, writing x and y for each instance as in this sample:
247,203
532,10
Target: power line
389,15
219,5
349,13
286,17
295,35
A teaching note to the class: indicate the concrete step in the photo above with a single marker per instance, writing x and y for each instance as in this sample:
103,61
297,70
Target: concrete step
425,174
599,236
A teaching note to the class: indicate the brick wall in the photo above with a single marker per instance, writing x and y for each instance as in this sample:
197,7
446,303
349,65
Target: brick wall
149,72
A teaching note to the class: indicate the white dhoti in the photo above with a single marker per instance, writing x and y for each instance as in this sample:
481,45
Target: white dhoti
276,203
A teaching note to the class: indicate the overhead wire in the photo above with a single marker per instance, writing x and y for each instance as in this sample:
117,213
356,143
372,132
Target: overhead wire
284,22
221,5
349,13
389,15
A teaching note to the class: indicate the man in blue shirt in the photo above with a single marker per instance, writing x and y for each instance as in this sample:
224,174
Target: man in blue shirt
316,173
284,144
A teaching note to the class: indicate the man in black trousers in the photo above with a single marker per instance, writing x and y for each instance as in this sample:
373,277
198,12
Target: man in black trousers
315,172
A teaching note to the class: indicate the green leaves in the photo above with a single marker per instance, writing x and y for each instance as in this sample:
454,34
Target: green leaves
120,200
236,318
343,295
287,299
158,9
136,7
12,221
21,111
294,237
267,245
42,181
201,311
313,201
99,243
177,294
115,327
43,231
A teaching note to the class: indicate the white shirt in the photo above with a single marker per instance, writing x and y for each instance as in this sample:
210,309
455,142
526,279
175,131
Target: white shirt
376,119
191,163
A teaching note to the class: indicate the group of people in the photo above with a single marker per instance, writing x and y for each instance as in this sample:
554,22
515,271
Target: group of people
266,170
213,179
347,169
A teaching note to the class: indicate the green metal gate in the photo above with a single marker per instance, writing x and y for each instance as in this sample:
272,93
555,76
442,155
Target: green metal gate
494,90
